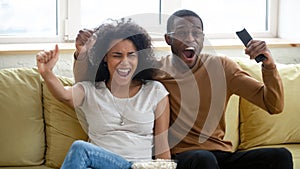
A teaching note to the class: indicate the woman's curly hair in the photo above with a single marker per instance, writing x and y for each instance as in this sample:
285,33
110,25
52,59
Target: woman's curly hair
123,30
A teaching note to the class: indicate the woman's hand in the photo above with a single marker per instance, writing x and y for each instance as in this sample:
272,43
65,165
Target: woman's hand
46,60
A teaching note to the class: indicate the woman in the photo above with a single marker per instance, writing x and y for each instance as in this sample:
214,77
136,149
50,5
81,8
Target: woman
122,106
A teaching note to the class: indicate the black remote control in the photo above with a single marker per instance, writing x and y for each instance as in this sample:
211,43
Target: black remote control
245,38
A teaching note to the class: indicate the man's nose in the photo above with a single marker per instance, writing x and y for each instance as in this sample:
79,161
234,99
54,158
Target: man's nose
189,37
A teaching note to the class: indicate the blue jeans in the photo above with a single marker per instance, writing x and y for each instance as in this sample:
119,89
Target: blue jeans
84,155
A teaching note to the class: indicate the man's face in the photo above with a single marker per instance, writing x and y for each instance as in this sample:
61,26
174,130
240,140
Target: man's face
186,39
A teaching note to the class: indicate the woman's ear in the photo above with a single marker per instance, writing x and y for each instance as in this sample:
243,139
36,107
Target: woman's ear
168,39
105,58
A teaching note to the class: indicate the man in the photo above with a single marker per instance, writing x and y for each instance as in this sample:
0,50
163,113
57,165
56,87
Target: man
200,86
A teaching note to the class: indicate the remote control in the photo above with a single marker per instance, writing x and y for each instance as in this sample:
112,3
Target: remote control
245,38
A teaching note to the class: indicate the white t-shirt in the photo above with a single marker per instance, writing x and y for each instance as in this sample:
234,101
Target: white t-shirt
121,125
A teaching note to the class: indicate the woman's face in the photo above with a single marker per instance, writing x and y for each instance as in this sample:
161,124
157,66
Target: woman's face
122,61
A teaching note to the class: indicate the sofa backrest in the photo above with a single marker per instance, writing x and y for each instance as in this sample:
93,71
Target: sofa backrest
35,128
258,127
62,126
21,118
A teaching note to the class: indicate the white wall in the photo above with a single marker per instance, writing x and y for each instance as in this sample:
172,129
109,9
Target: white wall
287,55
63,67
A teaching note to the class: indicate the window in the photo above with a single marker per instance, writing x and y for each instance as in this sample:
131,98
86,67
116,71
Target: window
59,21
39,20
225,17
143,12
222,18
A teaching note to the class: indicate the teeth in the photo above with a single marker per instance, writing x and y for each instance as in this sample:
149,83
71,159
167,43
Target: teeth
124,70
190,48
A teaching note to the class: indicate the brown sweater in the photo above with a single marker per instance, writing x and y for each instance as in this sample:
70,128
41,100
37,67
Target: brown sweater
199,96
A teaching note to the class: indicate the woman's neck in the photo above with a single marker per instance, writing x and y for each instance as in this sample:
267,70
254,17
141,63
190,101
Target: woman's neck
124,91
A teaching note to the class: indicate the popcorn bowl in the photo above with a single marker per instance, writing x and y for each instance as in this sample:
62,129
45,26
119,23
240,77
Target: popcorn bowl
154,164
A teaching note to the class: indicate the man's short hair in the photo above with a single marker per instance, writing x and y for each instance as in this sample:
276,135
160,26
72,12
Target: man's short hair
181,13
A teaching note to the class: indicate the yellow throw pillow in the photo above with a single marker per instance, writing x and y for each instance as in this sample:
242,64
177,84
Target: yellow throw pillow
22,133
62,127
258,127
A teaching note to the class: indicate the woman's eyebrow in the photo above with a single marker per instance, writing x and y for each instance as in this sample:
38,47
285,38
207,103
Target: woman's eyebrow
133,52
116,52
119,53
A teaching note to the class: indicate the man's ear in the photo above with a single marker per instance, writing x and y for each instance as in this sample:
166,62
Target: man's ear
168,39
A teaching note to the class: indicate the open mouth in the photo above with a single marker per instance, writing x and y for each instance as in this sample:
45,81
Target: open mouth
123,72
189,52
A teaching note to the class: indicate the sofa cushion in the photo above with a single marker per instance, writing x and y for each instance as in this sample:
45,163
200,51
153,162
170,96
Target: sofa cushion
257,127
232,122
62,127
22,140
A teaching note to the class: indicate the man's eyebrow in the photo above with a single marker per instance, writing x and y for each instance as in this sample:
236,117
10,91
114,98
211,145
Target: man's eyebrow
197,26
184,27
180,27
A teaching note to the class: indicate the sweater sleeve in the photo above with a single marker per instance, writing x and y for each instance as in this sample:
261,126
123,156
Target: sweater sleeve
273,90
268,94
83,70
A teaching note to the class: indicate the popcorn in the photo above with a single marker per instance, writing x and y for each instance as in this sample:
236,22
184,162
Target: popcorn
155,164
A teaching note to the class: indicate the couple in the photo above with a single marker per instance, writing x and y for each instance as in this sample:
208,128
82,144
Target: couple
199,87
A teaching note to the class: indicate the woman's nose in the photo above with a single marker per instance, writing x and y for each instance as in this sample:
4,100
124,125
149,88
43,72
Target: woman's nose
124,59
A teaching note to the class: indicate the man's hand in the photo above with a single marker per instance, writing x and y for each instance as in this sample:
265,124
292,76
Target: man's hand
46,60
256,47
82,38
